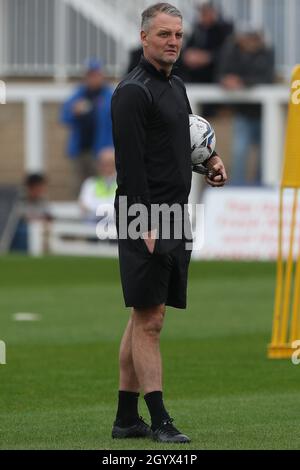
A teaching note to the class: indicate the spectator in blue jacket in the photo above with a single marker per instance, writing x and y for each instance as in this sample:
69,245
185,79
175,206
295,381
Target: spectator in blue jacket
87,114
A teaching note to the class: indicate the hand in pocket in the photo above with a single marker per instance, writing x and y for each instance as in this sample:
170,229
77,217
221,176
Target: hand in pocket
149,239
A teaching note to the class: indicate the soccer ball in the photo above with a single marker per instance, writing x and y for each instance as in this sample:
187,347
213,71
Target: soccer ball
203,139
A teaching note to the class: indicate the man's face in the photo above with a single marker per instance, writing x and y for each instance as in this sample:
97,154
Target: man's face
163,42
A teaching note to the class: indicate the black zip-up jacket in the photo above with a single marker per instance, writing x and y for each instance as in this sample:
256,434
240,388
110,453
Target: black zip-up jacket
150,115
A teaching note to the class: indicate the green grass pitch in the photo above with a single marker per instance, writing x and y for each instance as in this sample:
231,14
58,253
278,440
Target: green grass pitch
58,389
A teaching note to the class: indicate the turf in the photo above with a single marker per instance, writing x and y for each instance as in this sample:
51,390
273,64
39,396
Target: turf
58,389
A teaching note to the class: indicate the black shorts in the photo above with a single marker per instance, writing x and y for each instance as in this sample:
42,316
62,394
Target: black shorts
153,279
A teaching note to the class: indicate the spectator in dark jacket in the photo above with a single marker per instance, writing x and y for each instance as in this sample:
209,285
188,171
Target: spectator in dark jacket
134,58
200,54
87,114
246,61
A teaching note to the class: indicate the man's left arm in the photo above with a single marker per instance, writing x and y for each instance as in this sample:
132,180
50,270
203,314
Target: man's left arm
216,170
216,176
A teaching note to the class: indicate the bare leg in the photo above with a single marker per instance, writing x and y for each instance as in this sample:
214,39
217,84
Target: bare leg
140,364
147,324
128,379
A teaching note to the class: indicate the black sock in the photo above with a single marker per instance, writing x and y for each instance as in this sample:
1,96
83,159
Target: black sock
127,413
154,401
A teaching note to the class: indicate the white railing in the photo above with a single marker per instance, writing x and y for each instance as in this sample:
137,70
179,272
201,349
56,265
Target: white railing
271,98
53,37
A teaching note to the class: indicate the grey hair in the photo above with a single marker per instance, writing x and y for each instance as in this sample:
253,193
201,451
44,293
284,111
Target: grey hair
154,10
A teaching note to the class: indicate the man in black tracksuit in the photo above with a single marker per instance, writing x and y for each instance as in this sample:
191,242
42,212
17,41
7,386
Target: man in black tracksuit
150,115
151,124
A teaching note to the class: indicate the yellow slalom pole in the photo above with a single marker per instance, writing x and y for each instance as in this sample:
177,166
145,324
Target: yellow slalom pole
287,292
295,327
279,280
288,276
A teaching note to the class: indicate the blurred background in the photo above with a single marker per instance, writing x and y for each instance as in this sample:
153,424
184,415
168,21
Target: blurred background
60,61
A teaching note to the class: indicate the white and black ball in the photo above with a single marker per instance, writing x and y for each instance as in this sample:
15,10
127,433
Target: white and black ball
203,139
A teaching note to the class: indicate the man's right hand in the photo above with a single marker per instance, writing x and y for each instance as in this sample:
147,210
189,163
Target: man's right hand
217,174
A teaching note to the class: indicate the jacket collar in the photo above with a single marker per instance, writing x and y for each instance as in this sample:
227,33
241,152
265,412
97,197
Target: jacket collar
150,68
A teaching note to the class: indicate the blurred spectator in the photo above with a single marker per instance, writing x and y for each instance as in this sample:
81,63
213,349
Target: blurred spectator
134,58
246,61
33,206
99,189
87,113
201,52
